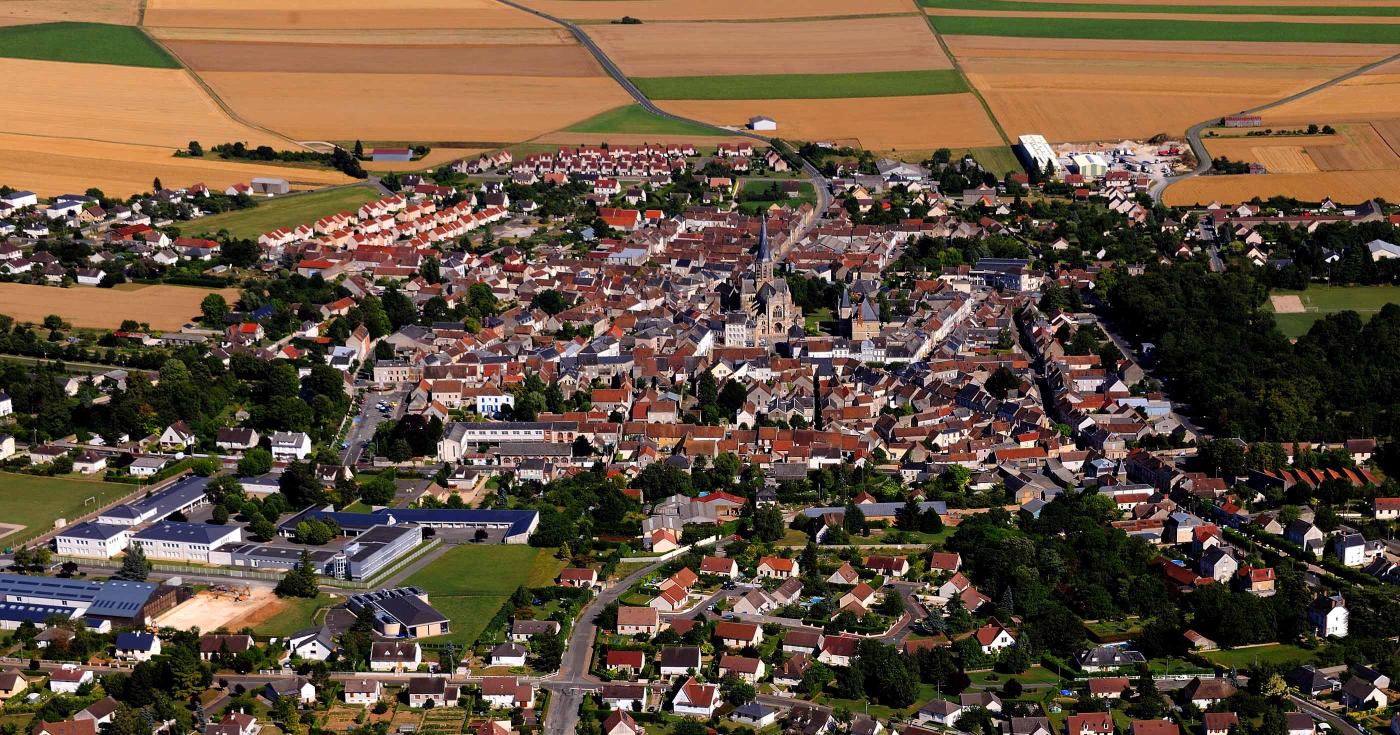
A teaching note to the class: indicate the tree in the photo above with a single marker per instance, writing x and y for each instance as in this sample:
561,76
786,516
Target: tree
853,519
220,515
379,490
359,149
736,691
155,184
300,581
214,308
256,461
299,485
195,149
892,604
262,529
768,523
135,567
1002,382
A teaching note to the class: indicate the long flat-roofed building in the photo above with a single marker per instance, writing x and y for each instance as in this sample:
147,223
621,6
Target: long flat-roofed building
116,600
181,497
185,541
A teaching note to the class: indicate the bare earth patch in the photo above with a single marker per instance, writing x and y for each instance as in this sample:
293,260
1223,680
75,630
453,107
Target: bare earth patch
1290,304
208,610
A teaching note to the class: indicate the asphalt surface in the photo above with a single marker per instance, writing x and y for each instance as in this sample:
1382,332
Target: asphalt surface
819,182
1193,134
370,417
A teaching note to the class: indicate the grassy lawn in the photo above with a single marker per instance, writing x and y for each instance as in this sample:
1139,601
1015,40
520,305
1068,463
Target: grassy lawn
1059,7
1035,675
819,320
1000,160
296,614
84,43
1176,30
803,86
35,502
1323,300
634,119
762,188
470,582
1111,631
545,570
1281,653
289,211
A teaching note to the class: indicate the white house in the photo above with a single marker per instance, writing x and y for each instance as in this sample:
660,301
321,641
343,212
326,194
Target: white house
508,654
314,644
939,712
177,436
994,637
67,679
133,646
395,656
1329,616
289,445
362,691
7,405
696,700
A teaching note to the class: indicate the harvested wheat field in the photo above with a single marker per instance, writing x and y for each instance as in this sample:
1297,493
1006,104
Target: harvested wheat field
877,123
661,10
1069,100
375,37
516,60
1361,148
51,166
1343,186
121,104
435,107
780,47
1339,56
338,14
1280,154
22,12
1371,96
163,307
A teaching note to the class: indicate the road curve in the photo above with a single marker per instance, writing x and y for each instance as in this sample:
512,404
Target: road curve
819,182
1193,134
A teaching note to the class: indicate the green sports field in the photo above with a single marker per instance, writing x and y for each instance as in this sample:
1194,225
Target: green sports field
470,582
804,86
35,502
634,119
287,211
1174,30
84,43
1070,7
1319,301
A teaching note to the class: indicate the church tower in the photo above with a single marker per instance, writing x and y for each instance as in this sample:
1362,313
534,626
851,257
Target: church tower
765,257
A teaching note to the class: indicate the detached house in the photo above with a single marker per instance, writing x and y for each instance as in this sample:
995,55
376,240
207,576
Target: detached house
696,700
776,567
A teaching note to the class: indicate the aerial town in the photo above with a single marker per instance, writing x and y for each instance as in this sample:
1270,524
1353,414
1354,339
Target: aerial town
658,392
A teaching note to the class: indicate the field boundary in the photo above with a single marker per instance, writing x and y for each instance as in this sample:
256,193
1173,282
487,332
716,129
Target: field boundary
1068,26
918,83
957,66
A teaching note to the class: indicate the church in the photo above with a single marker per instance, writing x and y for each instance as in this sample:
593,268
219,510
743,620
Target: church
765,310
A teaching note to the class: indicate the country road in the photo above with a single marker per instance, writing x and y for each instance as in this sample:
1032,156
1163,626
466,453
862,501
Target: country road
819,182
1193,134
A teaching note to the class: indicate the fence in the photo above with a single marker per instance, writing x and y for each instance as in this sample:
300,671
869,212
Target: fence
711,541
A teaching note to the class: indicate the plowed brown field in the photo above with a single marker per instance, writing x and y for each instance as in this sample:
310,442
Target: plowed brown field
20,12
904,43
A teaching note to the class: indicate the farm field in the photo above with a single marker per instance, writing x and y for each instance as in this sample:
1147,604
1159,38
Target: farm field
803,86
798,47
84,101
1051,86
35,502
337,14
1151,7
51,166
119,12
877,123
1319,301
88,43
634,119
163,307
333,106
469,583
1344,186
1258,15
1177,30
670,10
285,212
547,59
1371,96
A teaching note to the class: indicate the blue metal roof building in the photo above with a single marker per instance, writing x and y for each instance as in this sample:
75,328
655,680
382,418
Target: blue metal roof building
518,524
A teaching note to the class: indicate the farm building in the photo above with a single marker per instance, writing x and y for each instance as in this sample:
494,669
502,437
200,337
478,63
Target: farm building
1242,121
270,186
1089,165
391,154
762,123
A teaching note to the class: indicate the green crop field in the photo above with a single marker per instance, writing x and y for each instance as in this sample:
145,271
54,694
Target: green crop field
1319,301
1176,30
84,43
804,86
35,502
287,211
470,582
1062,7
634,119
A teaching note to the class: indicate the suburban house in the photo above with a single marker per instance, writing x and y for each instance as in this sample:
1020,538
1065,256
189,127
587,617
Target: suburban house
694,699
362,691
776,567
749,669
578,577
395,656
677,661
738,635
505,692
133,646
638,621
424,689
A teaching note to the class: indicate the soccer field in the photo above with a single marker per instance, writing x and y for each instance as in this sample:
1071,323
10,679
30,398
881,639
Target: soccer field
1319,301
35,502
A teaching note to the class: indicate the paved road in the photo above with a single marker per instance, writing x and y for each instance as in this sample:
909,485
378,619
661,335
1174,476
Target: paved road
363,426
1193,134
819,182
1318,713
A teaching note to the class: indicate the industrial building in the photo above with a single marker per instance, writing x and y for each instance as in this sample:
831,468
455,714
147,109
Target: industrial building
513,526
1089,165
1035,149
119,601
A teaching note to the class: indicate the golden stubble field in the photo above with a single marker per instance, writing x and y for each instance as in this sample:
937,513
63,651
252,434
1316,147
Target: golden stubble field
432,107
1091,90
1358,162
878,123
163,307
21,12
659,10
52,166
904,43
337,14
1344,186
